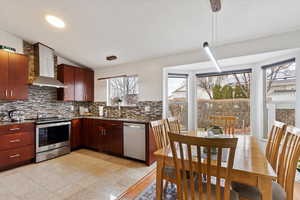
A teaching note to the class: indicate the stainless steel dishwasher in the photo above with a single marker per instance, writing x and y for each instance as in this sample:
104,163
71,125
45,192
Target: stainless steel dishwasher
135,141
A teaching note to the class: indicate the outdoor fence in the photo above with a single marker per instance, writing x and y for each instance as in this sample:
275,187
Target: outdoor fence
239,108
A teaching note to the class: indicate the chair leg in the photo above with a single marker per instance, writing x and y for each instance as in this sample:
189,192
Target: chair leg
166,186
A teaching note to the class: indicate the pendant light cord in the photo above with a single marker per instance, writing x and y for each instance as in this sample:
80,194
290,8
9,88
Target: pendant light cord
214,25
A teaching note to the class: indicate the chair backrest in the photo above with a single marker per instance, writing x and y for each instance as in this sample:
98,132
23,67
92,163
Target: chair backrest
273,144
226,122
194,156
173,125
160,133
288,160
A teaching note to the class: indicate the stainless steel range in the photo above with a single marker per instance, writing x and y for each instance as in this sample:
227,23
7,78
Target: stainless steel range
52,138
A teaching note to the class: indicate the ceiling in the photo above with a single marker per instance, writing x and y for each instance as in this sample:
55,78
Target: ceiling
141,29
244,61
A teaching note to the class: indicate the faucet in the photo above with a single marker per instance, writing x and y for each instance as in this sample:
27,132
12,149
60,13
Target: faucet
119,111
11,113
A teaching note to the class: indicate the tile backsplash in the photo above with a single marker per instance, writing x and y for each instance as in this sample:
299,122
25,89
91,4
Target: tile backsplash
44,100
133,112
40,99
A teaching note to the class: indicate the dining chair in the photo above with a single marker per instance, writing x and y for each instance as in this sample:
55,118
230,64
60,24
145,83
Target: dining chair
162,140
283,187
274,139
160,133
173,125
189,155
226,122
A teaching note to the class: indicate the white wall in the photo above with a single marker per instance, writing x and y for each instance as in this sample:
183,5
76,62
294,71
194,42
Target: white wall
16,42
61,60
150,80
150,71
11,40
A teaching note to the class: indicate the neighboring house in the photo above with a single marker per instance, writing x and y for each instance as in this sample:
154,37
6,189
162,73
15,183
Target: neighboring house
179,93
283,90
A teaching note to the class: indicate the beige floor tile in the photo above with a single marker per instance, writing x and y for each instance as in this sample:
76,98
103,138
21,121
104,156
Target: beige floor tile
83,174
90,195
39,193
8,196
69,190
18,184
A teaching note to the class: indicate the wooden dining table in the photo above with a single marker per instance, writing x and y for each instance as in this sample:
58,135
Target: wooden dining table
250,165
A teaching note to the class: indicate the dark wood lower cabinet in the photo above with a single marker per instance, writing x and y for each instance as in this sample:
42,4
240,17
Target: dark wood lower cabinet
106,136
114,137
101,135
16,145
86,133
76,139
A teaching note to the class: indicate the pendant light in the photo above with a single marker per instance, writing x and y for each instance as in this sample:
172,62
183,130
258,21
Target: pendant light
211,56
206,47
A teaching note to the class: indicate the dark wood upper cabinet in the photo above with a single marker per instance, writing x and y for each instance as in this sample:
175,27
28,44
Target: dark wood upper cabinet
79,83
13,76
65,74
3,74
18,76
89,85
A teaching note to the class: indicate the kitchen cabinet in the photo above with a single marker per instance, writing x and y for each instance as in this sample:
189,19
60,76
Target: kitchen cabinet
76,128
65,74
87,132
79,82
89,85
99,136
13,76
103,135
114,134
16,145
110,136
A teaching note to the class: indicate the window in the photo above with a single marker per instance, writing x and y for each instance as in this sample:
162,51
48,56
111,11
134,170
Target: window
279,93
224,94
178,98
122,91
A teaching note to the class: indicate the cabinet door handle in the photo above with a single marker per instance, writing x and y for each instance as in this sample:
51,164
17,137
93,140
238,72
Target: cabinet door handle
15,141
14,129
15,156
11,93
6,92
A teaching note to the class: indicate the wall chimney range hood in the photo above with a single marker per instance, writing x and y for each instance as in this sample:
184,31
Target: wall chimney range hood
44,67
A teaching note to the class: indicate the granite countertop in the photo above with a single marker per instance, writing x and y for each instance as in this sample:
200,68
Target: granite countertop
4,123
114,119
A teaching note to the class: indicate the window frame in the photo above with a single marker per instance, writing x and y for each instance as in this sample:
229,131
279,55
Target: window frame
266,127
124,103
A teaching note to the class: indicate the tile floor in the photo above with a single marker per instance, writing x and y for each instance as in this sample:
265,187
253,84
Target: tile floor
83,174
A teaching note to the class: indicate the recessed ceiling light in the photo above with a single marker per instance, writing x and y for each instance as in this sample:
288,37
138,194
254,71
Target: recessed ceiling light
55,21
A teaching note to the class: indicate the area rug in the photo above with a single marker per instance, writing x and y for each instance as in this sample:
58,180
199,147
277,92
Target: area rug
150,192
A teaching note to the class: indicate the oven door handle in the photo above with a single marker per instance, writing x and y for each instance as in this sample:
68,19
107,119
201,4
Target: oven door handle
53,124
